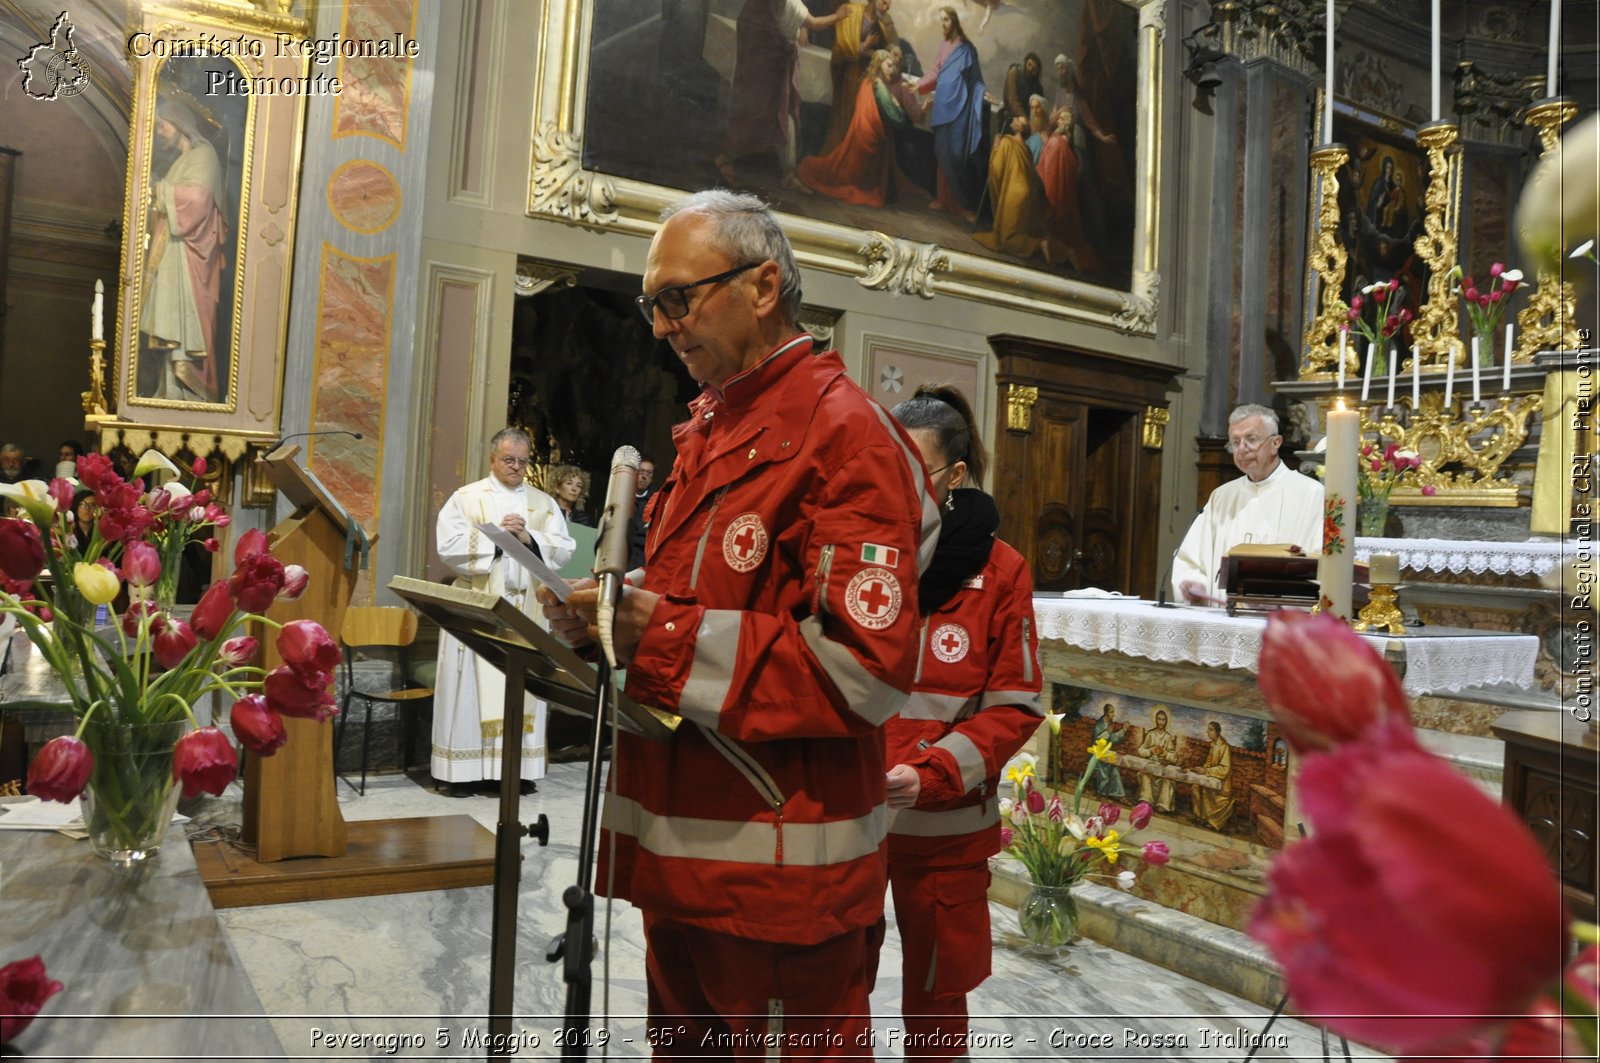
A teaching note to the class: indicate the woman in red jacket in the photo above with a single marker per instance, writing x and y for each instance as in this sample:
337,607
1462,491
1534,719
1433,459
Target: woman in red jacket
974,704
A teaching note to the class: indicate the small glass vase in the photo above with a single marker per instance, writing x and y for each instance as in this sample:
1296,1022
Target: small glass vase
1048,917
1372,516
131,793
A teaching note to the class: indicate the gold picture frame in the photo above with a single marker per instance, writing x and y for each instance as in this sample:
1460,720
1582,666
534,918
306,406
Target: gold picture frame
562,189
228,159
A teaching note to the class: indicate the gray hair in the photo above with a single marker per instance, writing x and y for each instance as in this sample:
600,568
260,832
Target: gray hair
744,229
10,448
516,435
1252,409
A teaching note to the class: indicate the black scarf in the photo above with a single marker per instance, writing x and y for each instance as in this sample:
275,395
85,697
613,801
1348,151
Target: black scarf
966,535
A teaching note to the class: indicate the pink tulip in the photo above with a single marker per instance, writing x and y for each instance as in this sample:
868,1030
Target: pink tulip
1139,818
239,650
1466,282
97,473
172,643
1429,490
198,466
1035,801
210,616
306,646
1355,305
256,581
257,725
251,542
1007,836
1110,813
1394,284
1406,315
1323,682
61,493
141,564
1496,269
137,612
24,988
1418,906
295,579
1483,301
1155,853
60,770
211,545
204,760
1470,294
303,695
21,549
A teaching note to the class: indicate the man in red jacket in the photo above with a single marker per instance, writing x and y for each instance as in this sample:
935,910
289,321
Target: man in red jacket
777,615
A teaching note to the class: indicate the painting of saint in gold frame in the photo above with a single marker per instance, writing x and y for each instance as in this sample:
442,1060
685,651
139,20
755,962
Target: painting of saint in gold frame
193,216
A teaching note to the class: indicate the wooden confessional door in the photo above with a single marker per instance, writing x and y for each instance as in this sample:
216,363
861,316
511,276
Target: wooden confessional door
1078,464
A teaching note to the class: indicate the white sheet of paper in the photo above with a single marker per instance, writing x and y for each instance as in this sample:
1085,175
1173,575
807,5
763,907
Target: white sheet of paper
529,560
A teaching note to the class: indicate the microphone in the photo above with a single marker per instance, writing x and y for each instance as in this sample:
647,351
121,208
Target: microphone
611,550
1166,581
323,432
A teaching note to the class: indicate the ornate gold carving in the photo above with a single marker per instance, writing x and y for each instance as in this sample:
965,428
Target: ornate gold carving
1381,612
1138,313
1019,407
1436,332
1477,443
94,400
1156,419
534,276
903,266
172,439
561,186
1547,323
1328,260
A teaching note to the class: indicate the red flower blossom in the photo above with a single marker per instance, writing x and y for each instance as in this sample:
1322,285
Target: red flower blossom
141,564
198,466
24,988
61,492
204,760
172,643
306,647
304,695
1139,818
211,614
241,649
21,549
1323,682
295,580
257,725
250,543
97,473
60,770
257,581
1155,853
1419,906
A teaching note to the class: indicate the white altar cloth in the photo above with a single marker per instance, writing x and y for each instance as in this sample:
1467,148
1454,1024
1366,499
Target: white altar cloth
1436,661
1532,558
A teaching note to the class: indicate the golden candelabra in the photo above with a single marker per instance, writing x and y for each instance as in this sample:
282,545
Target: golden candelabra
94,400
1329,259
1435,332
1381,612
1477,441
1546,324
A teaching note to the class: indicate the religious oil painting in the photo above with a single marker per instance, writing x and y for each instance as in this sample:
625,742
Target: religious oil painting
192,221
1381,192
1204,769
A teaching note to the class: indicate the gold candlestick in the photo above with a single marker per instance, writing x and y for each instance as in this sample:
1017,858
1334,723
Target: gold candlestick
1329,259
94,400
1436,329
1547,322
1381,611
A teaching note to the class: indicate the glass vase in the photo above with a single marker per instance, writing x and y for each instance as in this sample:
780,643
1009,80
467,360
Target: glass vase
131,793
1048,917
1372,516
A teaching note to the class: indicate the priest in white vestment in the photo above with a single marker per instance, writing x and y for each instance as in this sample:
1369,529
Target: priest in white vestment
469,693
1270,503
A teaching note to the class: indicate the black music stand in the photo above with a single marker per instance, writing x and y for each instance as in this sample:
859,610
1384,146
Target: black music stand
537,662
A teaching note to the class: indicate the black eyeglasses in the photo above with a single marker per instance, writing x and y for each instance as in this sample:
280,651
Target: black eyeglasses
674,302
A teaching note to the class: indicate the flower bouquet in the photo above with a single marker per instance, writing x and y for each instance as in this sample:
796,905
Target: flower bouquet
1061,848
1379,472
132,684
1486,306
1387,320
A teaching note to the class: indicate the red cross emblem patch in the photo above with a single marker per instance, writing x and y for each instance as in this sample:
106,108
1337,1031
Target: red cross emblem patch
873,598
950,643
744,544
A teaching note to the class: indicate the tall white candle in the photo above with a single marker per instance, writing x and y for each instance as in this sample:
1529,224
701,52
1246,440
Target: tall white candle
1449,380
1394,358
1336,567
1435,65
1555,48
1366,375
1327,75
1505,385
1416,380
1344,341
1475,396
97,328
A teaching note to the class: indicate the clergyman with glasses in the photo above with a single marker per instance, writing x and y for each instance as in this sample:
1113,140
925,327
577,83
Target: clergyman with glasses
1270,503
469,693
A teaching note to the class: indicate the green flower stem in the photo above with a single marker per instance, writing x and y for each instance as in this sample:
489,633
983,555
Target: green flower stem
1580,1013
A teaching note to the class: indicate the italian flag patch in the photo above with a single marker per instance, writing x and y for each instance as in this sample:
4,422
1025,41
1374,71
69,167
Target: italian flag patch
873,554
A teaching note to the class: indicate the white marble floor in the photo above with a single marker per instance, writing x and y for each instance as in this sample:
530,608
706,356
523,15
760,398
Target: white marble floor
411,972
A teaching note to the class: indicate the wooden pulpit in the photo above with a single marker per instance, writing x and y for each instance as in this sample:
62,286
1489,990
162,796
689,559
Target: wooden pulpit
290,805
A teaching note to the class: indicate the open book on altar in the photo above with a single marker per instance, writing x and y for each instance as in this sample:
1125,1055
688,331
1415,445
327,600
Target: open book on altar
1269,576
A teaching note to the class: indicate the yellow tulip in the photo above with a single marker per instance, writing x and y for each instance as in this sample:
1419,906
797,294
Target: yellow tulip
1101,750
96,583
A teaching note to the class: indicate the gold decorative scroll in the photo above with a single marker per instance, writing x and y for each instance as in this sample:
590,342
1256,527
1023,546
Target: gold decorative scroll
1019,407
1436,331
1328,260
1476,444
1547,322
1156,419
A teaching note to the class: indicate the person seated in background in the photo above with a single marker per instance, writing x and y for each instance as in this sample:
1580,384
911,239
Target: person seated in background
13,464
570,488
1270,503
67,458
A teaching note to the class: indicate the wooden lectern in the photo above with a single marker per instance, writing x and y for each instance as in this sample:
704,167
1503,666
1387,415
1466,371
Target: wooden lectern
290,806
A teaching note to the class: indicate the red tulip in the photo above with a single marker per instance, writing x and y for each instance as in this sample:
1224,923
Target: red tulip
97,472
257,581
1483,301
1394,284
239,650
304,695
1406,315
1035,801
295,579
137,612
257,725
1110,813
210,616
211,545
1155,853
21,549
1323,682
204,760
1470,294
1355,304
1496,269
1139,818
1419,906
1007,836
172,643
141,564
251,542
306,646
24,988
61,492
198,466
60,770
